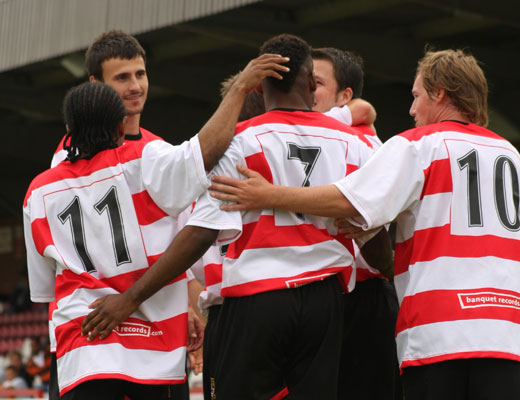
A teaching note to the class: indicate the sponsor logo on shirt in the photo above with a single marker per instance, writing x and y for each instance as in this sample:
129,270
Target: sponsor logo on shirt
488,299
132,329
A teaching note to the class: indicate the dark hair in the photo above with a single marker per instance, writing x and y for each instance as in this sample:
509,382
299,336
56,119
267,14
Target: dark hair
253,103
290,46
347,66
111,44
92,112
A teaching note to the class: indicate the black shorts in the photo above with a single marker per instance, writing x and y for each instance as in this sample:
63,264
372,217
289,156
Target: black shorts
469,379
209,354
288,337
117,389
369,369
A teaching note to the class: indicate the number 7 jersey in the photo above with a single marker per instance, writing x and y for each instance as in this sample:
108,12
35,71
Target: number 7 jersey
275,249
92,227
453,189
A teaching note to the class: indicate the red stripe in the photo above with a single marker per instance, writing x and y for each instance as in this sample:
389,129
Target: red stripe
281,395
365,130
213,274
264,285
351,168
417,309
122,377
302,118
68,282
363,274
265,234
41,233
461,355
259,163
174,334
438,242
344,279
146,210
416,134
437,178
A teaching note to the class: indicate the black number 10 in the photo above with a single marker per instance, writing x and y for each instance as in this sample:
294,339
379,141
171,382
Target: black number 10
470,161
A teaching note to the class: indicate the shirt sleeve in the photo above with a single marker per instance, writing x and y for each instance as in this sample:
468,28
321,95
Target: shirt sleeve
341,114
388,184
207,213
41,270
174,176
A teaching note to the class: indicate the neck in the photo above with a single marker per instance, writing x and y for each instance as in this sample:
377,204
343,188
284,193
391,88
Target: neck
451,113
291,100
132,124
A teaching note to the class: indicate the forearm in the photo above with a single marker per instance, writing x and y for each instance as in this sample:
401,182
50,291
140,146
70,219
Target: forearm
217,133
325,201
187,247
363,113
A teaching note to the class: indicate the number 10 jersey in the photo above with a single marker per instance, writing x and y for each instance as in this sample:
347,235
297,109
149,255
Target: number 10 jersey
453,189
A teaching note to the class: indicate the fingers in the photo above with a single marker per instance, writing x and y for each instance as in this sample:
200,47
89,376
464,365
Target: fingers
247,172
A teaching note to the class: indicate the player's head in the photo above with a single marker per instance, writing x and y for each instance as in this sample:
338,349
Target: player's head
339,77
94,115
253,103
117,59
300,63
455,76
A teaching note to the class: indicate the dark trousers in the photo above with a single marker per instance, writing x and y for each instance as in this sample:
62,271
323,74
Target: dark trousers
369,369
288,337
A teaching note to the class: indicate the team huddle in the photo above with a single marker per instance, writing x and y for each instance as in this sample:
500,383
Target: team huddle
277,210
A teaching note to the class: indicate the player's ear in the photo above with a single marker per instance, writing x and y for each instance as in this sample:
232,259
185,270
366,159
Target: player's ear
92,78
260,90
345,95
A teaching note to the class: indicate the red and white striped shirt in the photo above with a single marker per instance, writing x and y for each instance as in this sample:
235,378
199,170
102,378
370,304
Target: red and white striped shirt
453,188
275,249
92,228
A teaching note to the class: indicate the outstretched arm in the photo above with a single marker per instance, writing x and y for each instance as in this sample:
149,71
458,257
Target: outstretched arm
216,134
187,247
255,193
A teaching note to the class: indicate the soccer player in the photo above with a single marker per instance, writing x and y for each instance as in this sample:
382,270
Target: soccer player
452,186
282,308
97,220
369,367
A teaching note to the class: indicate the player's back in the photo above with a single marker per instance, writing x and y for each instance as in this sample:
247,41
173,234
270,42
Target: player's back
279,249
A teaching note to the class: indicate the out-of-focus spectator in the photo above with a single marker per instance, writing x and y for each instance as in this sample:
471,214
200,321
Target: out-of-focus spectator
39,364
12,379
15,359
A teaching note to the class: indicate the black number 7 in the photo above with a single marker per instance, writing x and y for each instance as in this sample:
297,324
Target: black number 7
307,156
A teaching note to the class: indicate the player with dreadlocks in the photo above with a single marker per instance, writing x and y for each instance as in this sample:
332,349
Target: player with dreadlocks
87,138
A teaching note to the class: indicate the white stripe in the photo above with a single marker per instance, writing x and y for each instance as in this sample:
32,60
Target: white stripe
114,358
451,273
444,338
433,211
170,301
158,235
133,175
278,262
